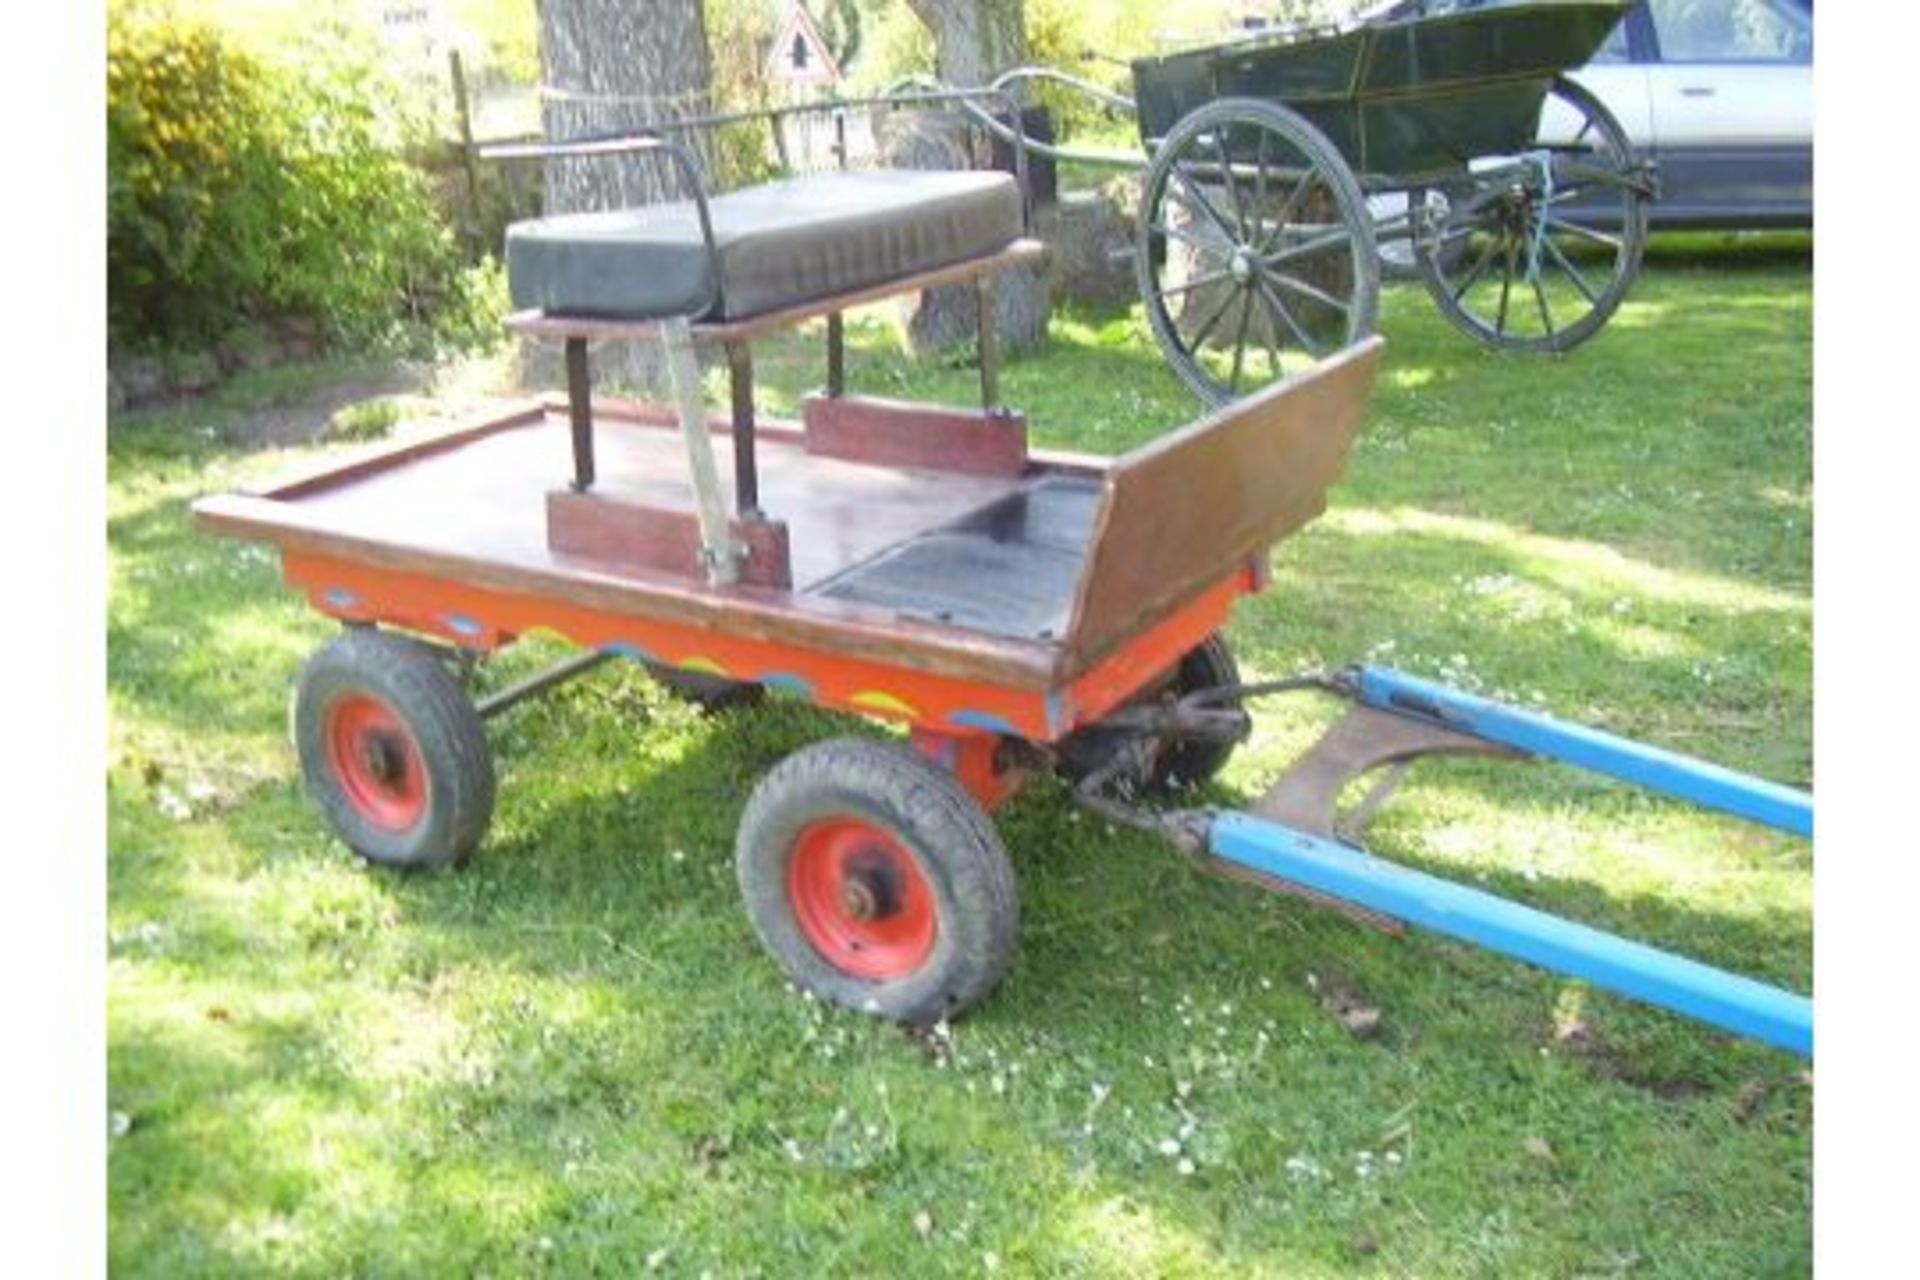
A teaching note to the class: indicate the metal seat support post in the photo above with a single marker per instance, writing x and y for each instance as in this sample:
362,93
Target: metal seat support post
989,341
836,355
580,410
746,468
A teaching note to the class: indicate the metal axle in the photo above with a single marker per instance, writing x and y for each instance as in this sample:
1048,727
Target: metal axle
534,685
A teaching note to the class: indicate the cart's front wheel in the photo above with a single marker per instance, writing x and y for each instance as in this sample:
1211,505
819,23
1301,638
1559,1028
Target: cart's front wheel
877,881
393,751
1535,252
1255,255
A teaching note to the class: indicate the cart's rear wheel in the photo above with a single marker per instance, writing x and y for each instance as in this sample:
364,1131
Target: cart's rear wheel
1255,254
877,881
1170,765
1534,253
393,751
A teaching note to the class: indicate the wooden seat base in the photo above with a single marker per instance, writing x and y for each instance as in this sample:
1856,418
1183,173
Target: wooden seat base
626,534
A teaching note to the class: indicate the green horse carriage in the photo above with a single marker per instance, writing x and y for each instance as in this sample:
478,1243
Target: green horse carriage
1269,159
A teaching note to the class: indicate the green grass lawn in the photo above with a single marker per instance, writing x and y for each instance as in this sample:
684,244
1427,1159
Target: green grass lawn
572,1057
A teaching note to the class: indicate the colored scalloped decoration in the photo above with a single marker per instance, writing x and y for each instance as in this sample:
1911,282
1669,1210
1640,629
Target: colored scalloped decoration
704,665
984,720
884,703
785,682
1056,711
464,625
627,649
341,598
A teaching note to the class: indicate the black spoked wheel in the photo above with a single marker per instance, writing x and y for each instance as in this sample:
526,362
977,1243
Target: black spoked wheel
1255,254
1535,252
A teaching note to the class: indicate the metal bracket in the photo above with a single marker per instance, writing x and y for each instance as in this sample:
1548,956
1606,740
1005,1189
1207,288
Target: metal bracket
1307,796
718,551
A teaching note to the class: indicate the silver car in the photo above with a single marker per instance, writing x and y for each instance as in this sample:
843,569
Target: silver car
1720,93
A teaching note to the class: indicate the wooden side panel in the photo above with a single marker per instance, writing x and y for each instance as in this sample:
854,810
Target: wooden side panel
664,539
331,472
899,433
1201,502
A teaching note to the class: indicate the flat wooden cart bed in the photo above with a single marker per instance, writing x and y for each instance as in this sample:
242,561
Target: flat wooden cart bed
1025,597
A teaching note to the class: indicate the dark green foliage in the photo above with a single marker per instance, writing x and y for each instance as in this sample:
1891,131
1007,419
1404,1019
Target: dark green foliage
241,188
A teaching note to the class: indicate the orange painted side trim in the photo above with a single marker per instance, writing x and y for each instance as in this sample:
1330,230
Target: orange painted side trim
974,760
1119,675
486,618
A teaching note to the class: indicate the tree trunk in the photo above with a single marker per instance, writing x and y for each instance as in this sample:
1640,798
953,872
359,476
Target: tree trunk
973,41
614,66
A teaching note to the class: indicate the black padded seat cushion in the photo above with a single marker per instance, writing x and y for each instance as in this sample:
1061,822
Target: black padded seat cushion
1009,569
780,244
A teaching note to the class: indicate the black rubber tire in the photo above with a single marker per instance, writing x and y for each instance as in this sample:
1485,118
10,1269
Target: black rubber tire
437,713
1175,765
1194,762
952,841
710,693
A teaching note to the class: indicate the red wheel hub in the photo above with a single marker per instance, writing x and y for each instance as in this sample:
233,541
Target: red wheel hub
377,761
861,898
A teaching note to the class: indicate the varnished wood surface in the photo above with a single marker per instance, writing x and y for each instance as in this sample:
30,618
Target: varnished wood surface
1182,509
901,433
538,324
470,506
488,497
480,518
324,473
774,616
625,536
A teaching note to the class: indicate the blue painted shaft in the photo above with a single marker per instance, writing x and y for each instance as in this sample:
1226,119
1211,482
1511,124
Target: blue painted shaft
1631,969
1656,769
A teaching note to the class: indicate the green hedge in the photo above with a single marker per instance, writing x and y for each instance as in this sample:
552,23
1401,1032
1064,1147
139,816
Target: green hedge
243,186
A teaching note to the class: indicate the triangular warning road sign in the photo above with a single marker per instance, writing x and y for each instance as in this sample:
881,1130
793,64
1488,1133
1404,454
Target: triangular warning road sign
800,54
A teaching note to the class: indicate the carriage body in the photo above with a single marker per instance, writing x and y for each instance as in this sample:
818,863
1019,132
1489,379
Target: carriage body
1403,98
1279,163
